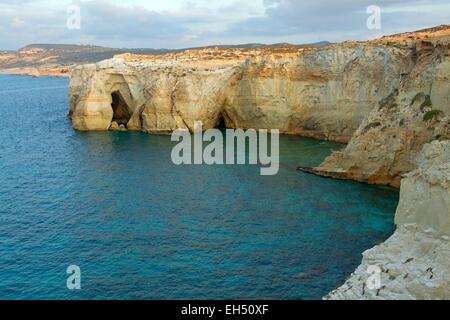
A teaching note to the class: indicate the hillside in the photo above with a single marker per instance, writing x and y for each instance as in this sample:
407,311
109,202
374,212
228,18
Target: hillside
58,59
50,56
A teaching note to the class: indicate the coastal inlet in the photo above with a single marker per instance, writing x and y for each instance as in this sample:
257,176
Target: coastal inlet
140,227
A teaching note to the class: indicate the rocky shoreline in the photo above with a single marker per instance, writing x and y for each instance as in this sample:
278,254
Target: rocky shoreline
415,261
388,98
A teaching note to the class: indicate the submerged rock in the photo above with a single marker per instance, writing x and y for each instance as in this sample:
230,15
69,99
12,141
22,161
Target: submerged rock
114,126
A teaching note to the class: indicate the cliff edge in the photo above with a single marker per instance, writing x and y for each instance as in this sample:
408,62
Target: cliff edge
415,261
324,93
415,112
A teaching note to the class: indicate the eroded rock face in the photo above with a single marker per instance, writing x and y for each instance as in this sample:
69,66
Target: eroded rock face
91,95
416,111
322,92
415,261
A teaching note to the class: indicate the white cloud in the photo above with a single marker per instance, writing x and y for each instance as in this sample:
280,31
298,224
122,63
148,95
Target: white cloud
185,23
18,23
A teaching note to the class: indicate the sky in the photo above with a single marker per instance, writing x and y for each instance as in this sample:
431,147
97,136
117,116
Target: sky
190,23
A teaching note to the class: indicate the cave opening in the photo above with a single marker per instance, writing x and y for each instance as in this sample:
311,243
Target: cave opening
121,111
222,122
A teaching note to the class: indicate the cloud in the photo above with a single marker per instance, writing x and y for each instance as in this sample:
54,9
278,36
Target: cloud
18,24
340,19
131,24
135,23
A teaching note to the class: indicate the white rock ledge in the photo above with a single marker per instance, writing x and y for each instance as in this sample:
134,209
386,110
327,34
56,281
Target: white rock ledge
415,261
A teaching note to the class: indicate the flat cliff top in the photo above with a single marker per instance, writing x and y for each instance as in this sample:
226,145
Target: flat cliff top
214,57
433,34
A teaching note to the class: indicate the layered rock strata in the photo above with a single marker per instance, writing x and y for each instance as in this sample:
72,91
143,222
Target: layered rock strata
323,93
415,112
386,97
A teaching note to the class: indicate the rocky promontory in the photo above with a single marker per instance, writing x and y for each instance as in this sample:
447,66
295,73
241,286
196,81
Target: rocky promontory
415,112
415,261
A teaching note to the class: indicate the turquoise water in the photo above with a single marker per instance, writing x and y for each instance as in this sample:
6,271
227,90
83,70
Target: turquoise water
140,227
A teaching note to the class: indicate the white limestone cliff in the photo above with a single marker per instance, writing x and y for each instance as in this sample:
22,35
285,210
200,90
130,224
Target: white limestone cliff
415,261
417,111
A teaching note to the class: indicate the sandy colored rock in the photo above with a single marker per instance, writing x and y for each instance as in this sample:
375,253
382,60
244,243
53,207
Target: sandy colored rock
415,112
114,126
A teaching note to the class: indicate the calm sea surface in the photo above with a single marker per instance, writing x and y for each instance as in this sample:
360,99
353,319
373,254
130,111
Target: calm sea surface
140,227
